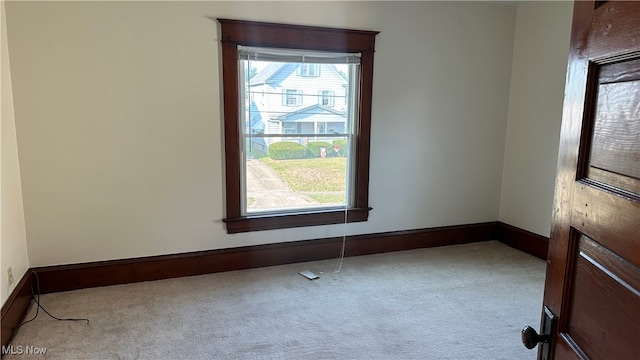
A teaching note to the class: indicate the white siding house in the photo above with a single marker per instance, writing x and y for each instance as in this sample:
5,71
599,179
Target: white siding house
297,98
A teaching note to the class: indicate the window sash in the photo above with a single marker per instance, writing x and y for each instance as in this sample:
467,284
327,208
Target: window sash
287,96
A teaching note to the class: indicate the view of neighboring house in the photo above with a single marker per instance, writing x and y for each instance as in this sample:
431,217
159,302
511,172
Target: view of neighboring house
296,98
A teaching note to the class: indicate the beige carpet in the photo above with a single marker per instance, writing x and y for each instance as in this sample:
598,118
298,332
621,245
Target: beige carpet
456,302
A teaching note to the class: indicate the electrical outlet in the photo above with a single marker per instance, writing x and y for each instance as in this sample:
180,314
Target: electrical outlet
10,275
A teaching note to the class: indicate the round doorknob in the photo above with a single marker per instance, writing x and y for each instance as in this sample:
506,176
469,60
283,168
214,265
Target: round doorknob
531,338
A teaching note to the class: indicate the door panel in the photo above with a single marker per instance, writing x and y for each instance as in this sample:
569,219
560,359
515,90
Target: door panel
563,350
615,145
593,272
602,328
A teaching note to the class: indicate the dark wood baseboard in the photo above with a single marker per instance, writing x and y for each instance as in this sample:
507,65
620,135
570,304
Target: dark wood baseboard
15,308
523,240
103,273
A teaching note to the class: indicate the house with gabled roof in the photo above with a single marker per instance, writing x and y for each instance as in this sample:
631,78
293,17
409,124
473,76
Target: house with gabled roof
297,98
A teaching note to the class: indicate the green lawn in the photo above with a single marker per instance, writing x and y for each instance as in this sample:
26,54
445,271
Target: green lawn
312,175
331,198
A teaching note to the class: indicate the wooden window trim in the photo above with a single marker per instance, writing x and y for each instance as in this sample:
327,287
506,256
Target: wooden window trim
260,34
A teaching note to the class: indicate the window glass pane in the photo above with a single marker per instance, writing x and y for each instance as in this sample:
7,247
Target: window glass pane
298,180
296,135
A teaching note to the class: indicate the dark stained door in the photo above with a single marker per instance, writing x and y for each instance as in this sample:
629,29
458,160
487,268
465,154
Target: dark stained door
593,273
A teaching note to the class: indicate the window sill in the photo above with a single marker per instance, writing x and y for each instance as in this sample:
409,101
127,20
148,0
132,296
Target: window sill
291,220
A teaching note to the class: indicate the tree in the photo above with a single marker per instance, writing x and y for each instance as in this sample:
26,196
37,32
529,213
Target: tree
252,72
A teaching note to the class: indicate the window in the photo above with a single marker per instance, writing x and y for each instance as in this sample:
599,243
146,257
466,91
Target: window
290,97
309,70
290,128
342,58
327,97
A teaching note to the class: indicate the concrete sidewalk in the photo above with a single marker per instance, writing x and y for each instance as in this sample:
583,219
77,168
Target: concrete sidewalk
269,190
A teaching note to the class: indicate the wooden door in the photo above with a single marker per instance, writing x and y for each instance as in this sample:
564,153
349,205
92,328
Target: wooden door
593,273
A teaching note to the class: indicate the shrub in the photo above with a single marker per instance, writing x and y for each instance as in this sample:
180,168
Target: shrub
315,146
286,150
341,146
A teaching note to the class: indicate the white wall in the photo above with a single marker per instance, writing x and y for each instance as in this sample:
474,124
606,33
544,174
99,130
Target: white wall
118,114
542,37
13,240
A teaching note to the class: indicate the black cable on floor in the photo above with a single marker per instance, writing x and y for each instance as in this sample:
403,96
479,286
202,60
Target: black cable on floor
35,295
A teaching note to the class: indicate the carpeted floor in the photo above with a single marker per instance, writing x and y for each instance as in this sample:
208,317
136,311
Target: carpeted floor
456,302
